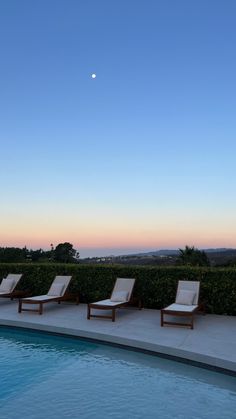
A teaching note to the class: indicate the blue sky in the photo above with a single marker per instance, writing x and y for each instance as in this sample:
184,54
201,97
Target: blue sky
142,157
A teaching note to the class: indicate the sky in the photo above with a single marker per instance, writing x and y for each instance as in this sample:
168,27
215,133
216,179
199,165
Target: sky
140,158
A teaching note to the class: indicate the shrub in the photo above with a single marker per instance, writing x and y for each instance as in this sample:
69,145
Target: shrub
156,285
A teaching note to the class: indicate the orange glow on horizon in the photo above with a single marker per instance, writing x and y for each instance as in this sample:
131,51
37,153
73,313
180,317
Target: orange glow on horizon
116,231
136,241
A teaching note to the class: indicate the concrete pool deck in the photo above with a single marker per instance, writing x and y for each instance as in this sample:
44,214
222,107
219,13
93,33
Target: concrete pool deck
212,342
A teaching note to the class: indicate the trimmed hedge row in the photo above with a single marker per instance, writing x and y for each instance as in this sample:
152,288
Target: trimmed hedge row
156,286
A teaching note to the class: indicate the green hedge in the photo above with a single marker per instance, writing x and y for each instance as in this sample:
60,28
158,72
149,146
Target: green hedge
156,286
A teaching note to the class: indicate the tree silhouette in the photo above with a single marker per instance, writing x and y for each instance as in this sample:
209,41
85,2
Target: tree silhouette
64,252
192,257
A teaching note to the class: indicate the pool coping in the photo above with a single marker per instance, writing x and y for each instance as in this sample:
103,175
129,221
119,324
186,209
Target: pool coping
177,354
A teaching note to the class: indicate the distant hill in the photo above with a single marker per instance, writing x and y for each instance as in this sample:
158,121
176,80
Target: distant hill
166,252
174,252
217,257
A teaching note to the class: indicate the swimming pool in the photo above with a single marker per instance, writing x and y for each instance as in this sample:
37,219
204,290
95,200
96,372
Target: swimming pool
47,376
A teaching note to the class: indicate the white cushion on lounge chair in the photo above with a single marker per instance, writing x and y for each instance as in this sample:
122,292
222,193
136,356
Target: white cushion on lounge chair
120,296
181,307
41,297
187,292
108,303
7,285
185,297
124,284
56,290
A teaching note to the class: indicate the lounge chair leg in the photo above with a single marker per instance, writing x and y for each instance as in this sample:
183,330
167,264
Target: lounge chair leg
162,320
113,315
140,304
202,308
191,322
20,306
40,308
88,312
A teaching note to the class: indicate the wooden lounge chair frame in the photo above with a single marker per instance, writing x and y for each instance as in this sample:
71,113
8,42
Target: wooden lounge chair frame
180,310
40,300
14,293
108,305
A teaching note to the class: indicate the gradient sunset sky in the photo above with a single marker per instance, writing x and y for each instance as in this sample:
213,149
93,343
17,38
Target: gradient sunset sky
140,158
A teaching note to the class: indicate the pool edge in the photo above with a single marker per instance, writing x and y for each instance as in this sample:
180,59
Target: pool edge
187,357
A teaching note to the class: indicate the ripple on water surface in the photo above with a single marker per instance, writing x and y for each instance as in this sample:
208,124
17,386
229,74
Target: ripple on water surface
46,376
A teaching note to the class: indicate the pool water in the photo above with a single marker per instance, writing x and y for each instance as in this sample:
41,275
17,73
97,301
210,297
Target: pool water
47,376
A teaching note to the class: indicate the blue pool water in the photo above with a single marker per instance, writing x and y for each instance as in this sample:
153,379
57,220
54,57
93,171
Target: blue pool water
47,376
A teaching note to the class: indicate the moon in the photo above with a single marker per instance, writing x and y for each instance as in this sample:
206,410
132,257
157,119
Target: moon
94,76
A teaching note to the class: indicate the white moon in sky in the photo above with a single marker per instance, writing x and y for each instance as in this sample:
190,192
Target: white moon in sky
94,76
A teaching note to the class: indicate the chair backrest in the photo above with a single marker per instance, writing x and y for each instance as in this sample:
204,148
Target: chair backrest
189,286
61,280
124,284
13,280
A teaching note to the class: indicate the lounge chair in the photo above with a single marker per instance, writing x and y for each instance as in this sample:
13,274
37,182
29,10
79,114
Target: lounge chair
8,286
120,297
186,304
56,293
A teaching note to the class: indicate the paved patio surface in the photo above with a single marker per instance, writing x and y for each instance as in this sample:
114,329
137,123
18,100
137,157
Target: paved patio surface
213,340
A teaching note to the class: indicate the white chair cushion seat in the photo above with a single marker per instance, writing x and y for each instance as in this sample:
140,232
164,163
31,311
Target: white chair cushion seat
181,307
107,303
40,297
